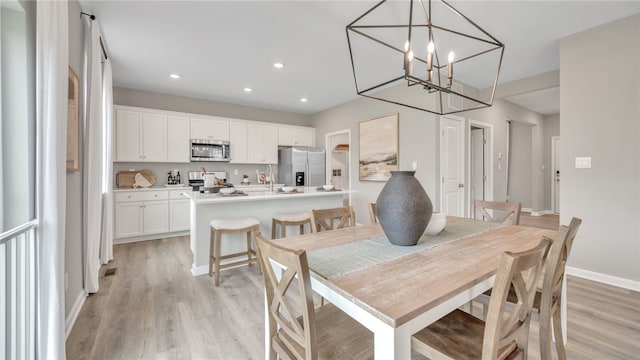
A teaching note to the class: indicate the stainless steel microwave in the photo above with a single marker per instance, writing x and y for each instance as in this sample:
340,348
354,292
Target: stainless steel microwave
210,150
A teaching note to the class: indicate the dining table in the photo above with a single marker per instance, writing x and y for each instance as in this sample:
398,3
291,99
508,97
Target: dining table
395,291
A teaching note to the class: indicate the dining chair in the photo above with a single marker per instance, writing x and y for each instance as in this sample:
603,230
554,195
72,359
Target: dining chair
548,299
325,219
372,213
503,212
460,335
296,329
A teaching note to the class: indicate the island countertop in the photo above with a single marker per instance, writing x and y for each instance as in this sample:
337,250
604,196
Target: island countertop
261,205
307,192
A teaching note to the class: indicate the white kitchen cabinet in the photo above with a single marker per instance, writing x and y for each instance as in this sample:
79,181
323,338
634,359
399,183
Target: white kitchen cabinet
155,217
141,136
262,144
238,141
179,215
178,141
210,128
139,213
296,136
128,219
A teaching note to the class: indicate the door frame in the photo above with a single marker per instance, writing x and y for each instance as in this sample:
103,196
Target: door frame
327,147
440,180
488,162
554,183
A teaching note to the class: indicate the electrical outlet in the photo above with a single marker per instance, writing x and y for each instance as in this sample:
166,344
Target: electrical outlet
414,165
235,171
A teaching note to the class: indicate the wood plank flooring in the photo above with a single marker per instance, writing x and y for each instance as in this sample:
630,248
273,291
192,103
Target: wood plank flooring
152,308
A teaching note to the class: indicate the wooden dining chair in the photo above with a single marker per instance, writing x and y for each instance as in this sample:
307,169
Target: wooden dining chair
372,213
296,329
325,219
503,212
460,335
548,299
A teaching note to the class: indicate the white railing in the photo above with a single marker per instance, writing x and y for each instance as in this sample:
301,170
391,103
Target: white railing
18,250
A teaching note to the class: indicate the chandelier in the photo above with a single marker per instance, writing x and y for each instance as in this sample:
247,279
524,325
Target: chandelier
446,69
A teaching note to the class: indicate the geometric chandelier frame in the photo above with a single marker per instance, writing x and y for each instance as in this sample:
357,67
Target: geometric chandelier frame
389,45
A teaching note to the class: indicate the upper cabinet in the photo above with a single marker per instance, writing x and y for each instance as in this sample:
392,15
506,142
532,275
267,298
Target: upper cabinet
148,135
296,136
141,136
238,141
178,141
210,128
262,144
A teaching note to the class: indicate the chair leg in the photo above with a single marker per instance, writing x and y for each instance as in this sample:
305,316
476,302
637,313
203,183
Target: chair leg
273,229
301,229
249,248
557,332
211,259
217,255
251,236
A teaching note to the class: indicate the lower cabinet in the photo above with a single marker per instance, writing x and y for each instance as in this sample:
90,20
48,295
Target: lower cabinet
179,215
140,213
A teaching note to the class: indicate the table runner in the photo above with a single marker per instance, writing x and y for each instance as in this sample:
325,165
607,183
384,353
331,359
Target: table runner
341,259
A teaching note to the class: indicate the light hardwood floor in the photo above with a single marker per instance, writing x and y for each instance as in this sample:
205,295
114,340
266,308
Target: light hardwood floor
152,308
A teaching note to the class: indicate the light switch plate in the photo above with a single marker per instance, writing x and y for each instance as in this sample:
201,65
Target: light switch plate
414,165
583,162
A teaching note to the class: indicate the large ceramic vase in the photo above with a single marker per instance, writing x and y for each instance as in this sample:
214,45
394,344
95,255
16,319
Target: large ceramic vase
403,208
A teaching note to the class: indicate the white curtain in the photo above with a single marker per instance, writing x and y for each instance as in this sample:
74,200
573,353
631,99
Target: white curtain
93,161
106,244
52,61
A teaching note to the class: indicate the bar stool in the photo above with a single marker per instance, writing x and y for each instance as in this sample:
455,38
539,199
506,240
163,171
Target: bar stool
231,226
291,219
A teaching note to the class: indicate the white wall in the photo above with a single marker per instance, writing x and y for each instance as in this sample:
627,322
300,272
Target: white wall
418,142
131,97
600,118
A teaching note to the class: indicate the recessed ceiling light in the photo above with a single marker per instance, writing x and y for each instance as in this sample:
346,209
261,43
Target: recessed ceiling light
304,100
247,89
278,65
174,76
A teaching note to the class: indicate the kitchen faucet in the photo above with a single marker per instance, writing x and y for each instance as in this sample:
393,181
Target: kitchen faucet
270,177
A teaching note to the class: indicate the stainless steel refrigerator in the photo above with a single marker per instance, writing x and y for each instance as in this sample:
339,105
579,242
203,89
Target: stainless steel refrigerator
301,166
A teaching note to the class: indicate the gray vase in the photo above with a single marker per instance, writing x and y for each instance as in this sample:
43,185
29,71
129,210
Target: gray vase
403,208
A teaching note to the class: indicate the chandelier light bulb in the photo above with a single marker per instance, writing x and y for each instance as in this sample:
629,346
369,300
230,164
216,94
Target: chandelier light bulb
406,45
430,47
451,56
450,68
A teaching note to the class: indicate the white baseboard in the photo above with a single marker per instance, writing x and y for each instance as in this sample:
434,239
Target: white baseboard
150,237
604,278
73,314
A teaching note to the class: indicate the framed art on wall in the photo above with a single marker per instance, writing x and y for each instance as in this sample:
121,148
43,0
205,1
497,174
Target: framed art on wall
73,123
378,148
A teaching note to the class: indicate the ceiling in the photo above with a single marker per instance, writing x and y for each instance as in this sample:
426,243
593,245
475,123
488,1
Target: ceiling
221,47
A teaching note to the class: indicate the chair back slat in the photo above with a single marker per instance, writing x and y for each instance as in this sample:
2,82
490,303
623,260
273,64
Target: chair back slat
291,318
372,213
520,271
506,212
325,219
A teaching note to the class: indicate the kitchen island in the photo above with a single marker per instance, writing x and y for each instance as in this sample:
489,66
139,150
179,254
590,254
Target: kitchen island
260,205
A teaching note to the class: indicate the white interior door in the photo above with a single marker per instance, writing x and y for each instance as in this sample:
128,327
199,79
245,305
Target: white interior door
555,176
477,178
452,166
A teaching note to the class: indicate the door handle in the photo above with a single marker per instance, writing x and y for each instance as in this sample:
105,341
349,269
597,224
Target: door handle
460,185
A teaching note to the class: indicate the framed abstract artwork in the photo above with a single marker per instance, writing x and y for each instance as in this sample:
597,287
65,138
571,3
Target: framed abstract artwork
378,140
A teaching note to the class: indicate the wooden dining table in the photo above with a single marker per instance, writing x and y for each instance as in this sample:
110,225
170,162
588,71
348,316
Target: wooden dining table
396,297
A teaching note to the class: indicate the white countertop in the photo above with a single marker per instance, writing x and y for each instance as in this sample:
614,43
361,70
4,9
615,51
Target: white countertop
183,187
200,198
